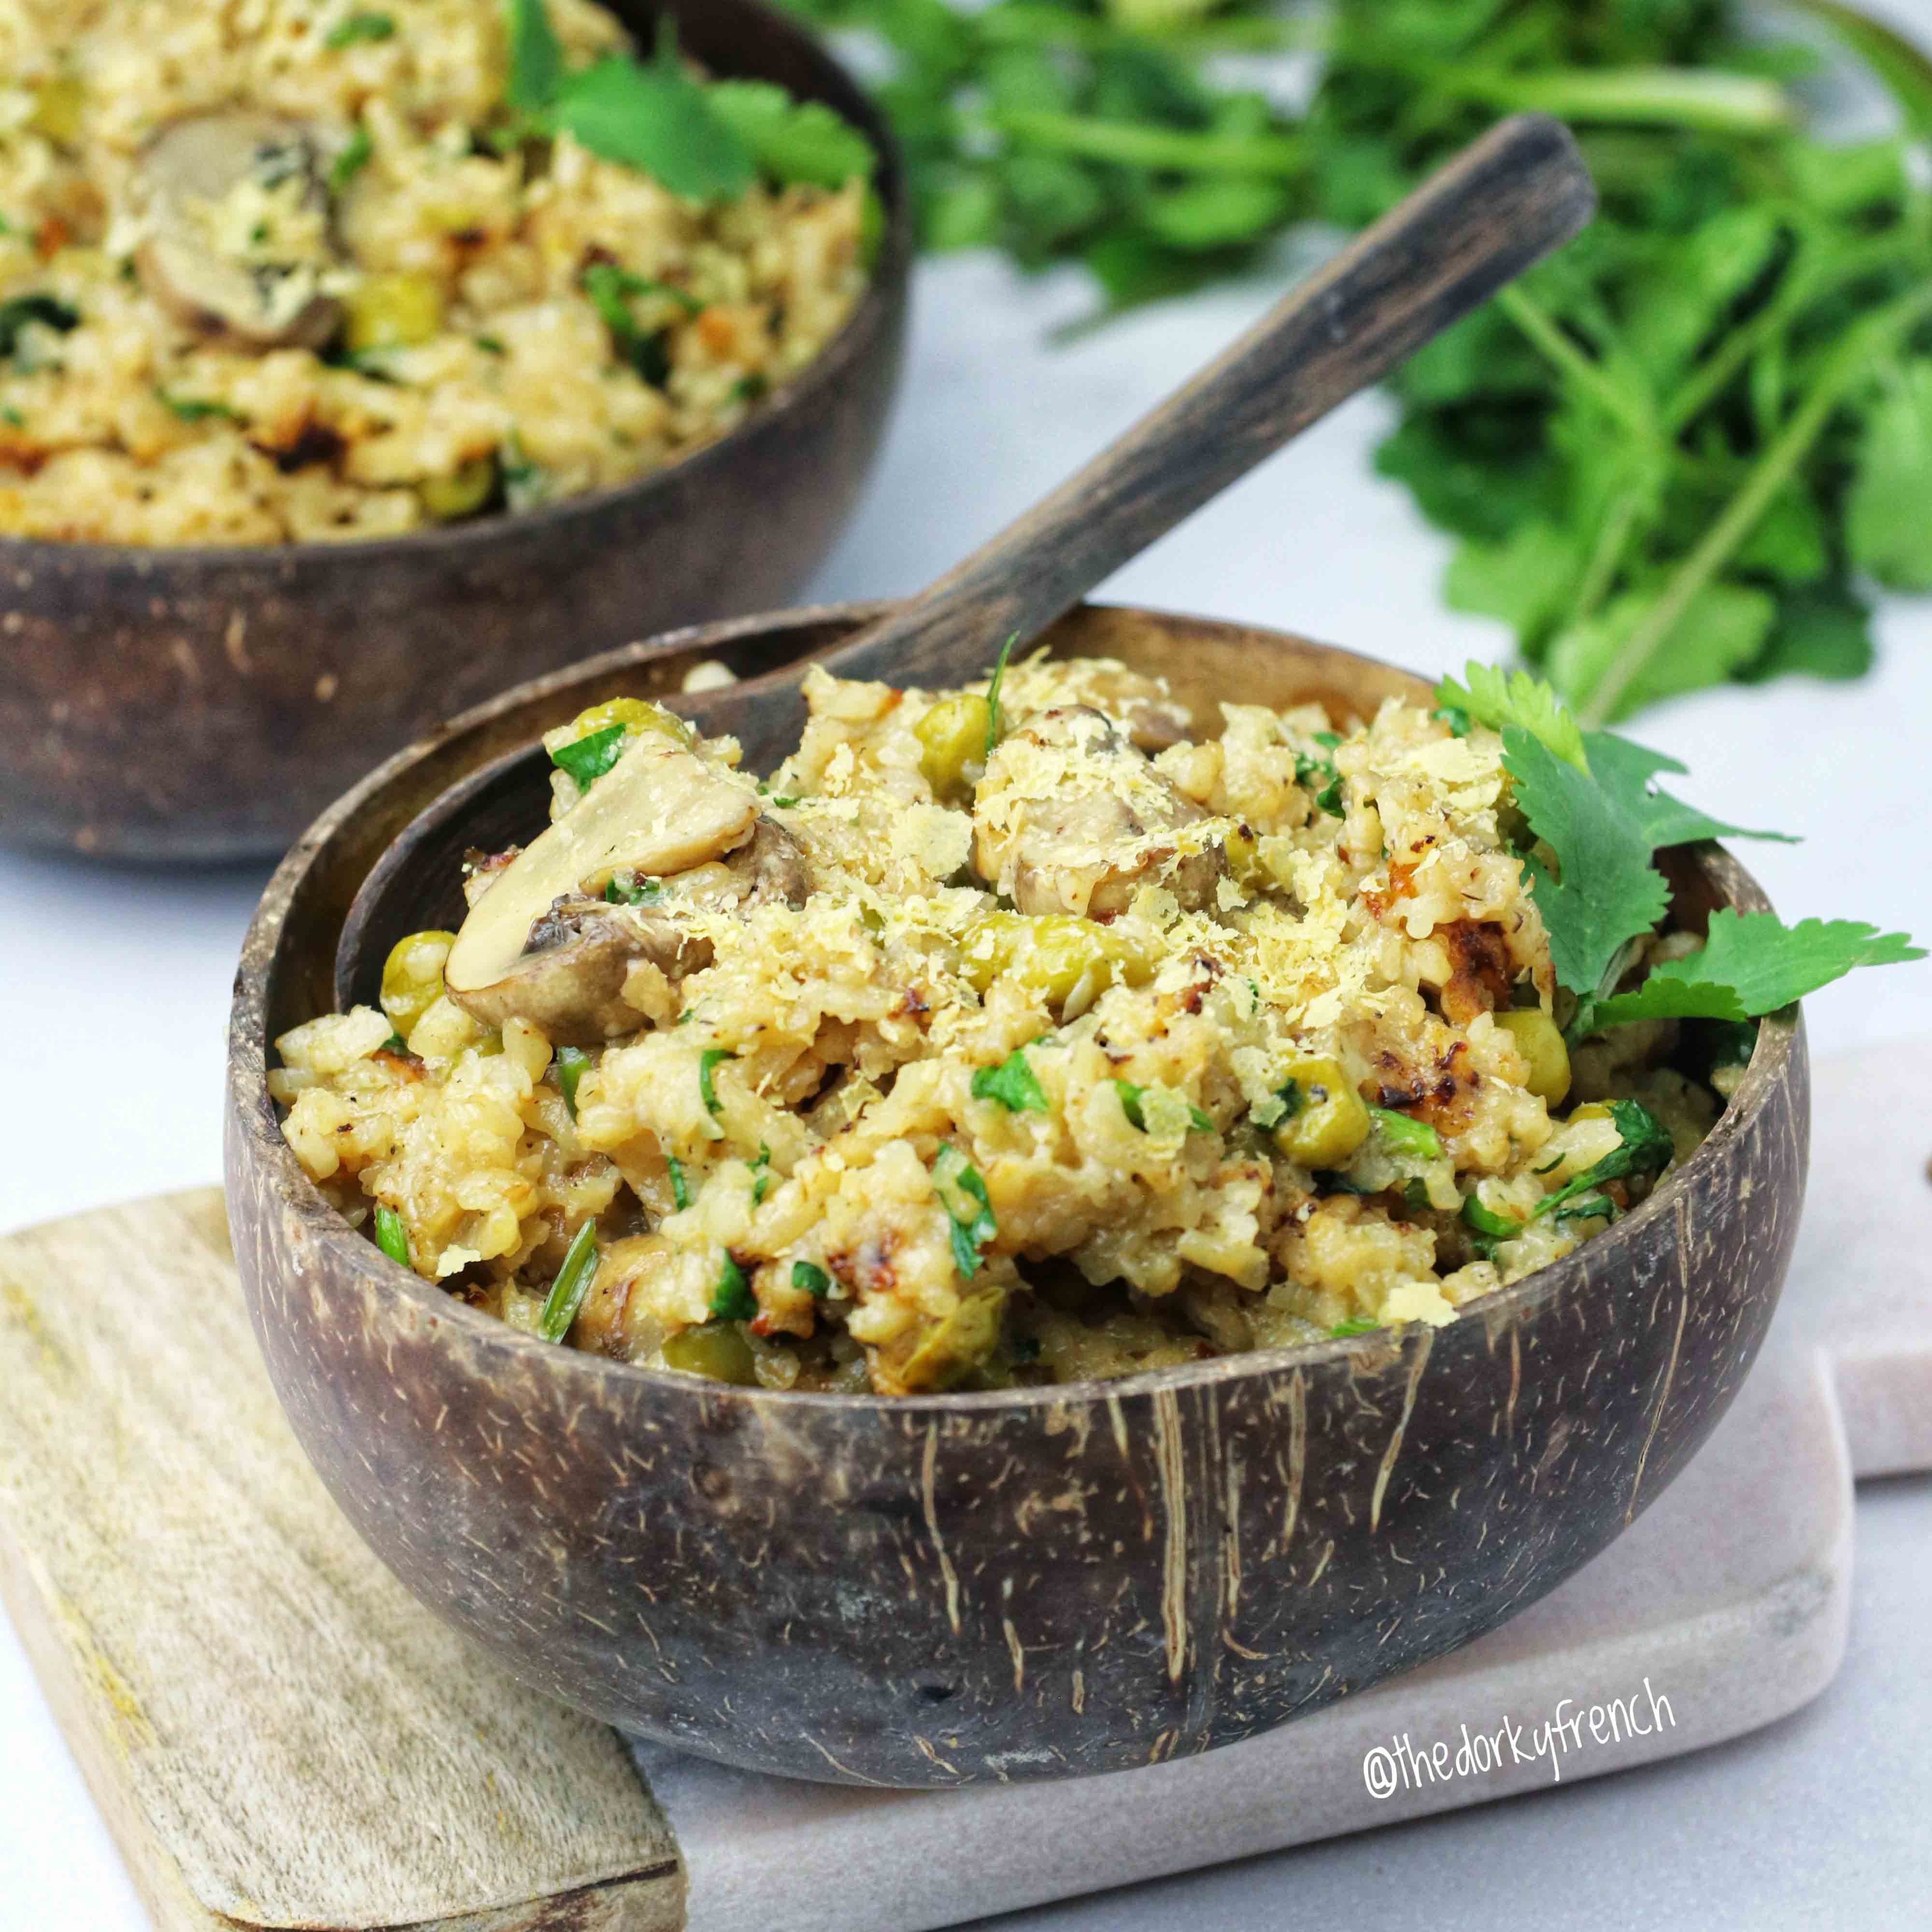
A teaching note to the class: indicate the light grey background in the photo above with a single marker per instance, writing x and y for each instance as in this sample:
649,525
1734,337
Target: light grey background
116,987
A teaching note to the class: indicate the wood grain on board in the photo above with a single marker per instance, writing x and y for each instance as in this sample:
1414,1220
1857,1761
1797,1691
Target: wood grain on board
275,1731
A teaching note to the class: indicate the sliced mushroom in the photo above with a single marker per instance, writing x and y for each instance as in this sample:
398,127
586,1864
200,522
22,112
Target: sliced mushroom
251,291
1070,817
544,945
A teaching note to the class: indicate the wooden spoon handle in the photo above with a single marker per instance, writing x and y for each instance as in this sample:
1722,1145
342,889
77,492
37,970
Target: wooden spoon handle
1498,206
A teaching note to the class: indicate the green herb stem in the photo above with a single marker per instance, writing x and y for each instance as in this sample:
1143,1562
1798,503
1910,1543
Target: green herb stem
1547,334
1847,363
1167,150
1706,99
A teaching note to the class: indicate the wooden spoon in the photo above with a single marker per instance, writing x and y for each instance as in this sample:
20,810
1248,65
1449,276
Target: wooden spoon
1498,206
1501,205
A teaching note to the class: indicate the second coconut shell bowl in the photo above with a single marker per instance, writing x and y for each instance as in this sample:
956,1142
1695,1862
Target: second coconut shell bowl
1032,1582
204,704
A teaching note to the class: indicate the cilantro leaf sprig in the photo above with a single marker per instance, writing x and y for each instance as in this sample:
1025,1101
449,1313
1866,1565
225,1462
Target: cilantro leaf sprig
707,141
1591,800
1753,963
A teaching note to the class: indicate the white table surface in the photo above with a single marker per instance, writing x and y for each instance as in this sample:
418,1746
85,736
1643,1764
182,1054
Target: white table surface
116,986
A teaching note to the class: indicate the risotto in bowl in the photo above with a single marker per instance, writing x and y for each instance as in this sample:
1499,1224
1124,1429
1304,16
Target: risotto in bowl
1057,1228
998,1036
354,361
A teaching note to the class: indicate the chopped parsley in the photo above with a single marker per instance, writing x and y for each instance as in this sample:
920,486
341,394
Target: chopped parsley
625,887
1319,776
611,290
1013,1083
706,1060
732,1300
572,1062
1131,1099
194,408
586,760
1645,1148
19,311
352,159
962,1193
358,30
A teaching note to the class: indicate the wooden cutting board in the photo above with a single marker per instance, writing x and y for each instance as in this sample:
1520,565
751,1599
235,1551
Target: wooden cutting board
278,1736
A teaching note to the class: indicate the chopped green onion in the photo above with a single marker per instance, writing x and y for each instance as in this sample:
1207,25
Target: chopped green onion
810,1280
1013,1083
627,888
706,1060
1356,1324
571,1285
732,1300
680,1194
761,1174
395,1043
1487,1228
391,1236
1401,1134
572,1062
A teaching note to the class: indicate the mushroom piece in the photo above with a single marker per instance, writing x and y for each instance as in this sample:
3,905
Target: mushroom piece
544,945
1070,817
237,214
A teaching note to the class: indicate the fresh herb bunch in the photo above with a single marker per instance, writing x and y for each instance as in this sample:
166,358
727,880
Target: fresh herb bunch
1592,821
1058,129
1670,451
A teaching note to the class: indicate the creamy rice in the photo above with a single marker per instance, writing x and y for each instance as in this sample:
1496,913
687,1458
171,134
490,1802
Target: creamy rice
1143,1038
487,376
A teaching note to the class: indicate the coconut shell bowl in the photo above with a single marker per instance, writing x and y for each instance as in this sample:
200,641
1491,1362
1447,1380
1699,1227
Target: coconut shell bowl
1037,1582
1026,1583
204,704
